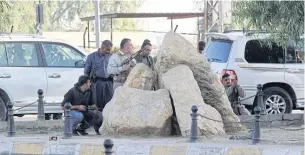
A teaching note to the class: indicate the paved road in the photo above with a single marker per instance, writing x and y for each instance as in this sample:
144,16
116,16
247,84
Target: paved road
34,117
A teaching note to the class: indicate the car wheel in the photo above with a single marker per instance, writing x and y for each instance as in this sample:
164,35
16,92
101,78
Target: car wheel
57,116
277,101
47,116
3,111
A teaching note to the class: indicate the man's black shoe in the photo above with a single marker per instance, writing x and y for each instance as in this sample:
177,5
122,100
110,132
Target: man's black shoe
96,129
82,132
74,133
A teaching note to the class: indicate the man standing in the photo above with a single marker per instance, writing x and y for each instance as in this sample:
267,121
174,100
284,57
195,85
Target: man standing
120,63
143,55
234,92
96,69
82,117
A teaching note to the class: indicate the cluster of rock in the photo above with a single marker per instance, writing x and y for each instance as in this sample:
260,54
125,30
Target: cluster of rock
182,79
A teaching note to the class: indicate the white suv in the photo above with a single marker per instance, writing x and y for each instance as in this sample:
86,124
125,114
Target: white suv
252,59
29,63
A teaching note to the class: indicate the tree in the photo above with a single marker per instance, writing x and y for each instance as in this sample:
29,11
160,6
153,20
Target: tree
280,18
61,15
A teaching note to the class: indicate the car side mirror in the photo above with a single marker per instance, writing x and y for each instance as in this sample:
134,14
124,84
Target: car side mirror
80,63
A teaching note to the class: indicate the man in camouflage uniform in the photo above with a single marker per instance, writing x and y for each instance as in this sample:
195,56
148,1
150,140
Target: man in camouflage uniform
234,92
121,62
143,55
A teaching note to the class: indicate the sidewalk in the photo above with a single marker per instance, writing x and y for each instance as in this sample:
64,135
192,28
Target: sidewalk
92,145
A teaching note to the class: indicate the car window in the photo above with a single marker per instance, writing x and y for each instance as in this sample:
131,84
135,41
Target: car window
263,51
299,52
3,56
218,51
20,54
60,55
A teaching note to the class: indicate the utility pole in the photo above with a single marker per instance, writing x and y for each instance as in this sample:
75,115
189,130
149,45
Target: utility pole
213,15
97,23
39,17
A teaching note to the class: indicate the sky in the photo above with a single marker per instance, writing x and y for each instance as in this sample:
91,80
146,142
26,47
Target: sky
162,24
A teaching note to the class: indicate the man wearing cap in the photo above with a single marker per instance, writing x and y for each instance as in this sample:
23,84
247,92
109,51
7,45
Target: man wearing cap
144,55
121,62
102,87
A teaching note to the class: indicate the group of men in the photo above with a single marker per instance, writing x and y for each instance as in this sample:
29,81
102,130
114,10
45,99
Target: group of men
103,73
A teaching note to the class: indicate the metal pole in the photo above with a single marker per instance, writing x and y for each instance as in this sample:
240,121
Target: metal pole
111,31
88,25
220,16
256,134
67,123
41,116
108,144
10,122
205,19
194,125
260,99
84,38
198,31
97,23
172,24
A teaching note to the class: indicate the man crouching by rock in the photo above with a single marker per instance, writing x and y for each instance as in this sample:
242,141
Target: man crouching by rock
234,92
82,113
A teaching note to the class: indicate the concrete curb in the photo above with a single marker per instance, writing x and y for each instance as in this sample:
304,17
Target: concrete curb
62,148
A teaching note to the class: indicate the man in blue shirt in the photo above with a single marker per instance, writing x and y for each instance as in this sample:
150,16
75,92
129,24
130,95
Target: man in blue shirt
102,86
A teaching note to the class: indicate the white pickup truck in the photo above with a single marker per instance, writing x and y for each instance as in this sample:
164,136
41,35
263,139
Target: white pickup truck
252,59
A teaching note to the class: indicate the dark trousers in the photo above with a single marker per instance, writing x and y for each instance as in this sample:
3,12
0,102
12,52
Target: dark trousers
92,118
102,93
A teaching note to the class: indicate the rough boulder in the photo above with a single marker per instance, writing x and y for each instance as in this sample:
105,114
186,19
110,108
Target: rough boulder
185,93
141,77
138,112
176,50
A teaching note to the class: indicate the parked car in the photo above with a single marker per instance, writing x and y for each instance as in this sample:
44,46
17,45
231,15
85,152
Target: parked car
254,59
29,63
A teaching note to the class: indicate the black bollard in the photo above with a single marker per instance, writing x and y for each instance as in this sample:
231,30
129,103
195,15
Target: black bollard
256,132
41,115
10,120
194,125
260,99
67,125
108,144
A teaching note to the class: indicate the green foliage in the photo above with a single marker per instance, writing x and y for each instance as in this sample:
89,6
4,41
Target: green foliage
62,15
280,18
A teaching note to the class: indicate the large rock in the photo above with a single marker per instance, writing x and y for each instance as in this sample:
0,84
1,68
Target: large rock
138,112
141,77
185,93
177,50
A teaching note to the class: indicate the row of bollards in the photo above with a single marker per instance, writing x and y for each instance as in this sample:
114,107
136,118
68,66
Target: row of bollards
10,114
256,125
259,110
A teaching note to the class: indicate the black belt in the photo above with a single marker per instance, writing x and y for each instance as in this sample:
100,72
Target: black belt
104,79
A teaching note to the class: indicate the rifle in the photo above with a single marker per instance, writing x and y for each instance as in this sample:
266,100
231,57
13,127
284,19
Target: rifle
126,61
92,75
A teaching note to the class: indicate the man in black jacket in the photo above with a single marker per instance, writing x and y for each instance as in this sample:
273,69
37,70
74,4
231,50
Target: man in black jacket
82,113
